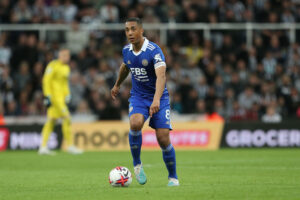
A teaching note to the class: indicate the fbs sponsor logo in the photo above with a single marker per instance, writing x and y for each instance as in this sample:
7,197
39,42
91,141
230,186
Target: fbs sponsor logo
4,135
261,138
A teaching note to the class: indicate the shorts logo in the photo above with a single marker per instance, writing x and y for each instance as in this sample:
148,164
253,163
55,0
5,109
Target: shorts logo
145,62
130,109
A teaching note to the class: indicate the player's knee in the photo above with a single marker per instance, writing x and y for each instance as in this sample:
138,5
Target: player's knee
163,141
136,122
136,125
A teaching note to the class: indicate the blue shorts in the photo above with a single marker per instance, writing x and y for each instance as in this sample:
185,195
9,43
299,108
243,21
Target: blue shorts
161,119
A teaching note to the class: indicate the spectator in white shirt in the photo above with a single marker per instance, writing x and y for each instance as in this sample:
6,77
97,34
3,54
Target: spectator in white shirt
271,116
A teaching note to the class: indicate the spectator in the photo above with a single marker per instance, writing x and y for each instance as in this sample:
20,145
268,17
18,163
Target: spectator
77,90
109,13
219,87
76,39
193,52
5,8
12,109
31,51
271,116
248,98
269,64
56,12
5,51
202,88
83,108
21,12
237,113
22,78
70,11
40,11
124,6
200,107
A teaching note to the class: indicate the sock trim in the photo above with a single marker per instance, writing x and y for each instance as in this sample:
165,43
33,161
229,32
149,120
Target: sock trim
168,148
135,133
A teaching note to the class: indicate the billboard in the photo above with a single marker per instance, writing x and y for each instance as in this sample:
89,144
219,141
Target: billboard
27,137
113,135
4,136
258,135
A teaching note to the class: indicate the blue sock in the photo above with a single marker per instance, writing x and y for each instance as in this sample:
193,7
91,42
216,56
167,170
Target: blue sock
135,142
170,160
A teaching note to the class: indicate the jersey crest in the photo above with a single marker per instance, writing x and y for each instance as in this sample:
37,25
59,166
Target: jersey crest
145,62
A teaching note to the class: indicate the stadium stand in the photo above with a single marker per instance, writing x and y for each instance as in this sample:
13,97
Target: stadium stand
242,83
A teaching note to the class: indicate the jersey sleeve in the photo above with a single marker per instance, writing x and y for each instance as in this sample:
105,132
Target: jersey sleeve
158,58
47,79
124,54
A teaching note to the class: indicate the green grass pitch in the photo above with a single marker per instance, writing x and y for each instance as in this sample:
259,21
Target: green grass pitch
224,174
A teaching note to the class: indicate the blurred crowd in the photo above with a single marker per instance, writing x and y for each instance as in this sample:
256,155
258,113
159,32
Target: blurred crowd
223,74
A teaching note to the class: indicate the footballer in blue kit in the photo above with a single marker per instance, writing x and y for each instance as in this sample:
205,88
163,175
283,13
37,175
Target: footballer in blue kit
149,97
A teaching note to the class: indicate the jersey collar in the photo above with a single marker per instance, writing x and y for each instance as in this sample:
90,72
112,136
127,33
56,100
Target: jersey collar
144,47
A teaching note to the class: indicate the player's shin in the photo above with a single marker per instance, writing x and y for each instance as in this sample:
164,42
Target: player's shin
47,130
66,129
135,142
170,160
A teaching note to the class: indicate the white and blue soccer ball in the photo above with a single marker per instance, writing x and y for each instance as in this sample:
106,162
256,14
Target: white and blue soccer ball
120,177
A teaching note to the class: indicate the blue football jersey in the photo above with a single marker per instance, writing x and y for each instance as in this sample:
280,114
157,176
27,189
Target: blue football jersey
142,66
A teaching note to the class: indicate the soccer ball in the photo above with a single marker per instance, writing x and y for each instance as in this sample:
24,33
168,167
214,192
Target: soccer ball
120,177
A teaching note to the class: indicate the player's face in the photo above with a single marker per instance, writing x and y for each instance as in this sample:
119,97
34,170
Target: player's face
134,32
64,56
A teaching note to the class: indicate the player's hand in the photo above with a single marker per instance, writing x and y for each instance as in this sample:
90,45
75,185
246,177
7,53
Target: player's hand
47,101
154,108
114,92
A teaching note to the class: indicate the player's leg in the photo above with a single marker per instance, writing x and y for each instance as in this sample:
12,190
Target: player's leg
46,131
138,113
135,137
160,121
135,142
168,151
66,130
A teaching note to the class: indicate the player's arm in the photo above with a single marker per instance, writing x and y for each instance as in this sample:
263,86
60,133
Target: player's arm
159,89
47,79
123,73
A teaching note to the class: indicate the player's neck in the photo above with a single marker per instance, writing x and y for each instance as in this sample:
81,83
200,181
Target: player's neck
138,46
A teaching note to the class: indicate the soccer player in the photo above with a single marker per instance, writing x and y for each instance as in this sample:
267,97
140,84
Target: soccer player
57,96
149,97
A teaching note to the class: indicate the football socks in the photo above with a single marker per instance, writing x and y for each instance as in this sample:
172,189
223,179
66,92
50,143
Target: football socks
170,160
135,142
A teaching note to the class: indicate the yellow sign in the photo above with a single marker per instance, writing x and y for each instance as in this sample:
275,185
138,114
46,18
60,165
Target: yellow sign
113,135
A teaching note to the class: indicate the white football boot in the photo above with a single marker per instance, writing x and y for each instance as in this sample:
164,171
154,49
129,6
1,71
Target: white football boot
140,174
74,150
173,182
45,151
